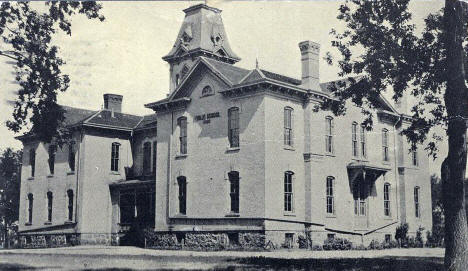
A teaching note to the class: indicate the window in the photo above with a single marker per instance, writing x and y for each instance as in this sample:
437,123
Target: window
182,181
52,150
70,197
288,126
289,240
207,91
71,156
233,129
288,191
127,206
386,195
360,195
176,80
49,206
182,122
330,236
354,139
363,142
414,156
155,152
32,161
416,202
385,145
115,156
146,158
30,207
184,72
234,191
388,238
330,196
329,134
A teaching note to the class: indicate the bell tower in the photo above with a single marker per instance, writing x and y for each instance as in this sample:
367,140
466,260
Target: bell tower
201,34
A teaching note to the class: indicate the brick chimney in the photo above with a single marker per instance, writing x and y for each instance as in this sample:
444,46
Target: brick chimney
113,102
310,52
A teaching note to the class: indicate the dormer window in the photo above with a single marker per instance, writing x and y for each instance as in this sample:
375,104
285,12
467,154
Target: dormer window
207,91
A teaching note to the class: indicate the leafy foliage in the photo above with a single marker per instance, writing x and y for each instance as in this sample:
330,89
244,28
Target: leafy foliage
10,166
27,34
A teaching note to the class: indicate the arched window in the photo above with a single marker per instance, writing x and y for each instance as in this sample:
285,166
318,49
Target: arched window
354,140
330,195
32,161
288,126
71,156
234,191
207,91
385,144
182,122
182,182
329,134
233,127
416,202
52,150
363,142
50,199
386,194
288,192
30,207
70,197
147,158
115,156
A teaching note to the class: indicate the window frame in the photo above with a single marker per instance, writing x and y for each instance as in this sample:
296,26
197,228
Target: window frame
414,156
288,183
233,127
50,202
363,139
71,156
330,195
182,183
115,157
70,204
417,205
387,202
354,140
385,147
147,158
52,150
155,157
288,126
32,161
207,91
183,129
329,131
30,208
234,191
360,202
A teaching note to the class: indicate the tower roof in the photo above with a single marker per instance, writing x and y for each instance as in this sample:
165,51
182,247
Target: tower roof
202,34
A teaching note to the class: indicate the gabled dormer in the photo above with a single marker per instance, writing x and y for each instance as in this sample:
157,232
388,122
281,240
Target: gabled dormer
201,34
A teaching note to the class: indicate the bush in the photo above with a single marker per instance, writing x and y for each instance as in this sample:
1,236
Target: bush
317,247
304,241
374,244
391,244
359,247
337,244
434,240
401,234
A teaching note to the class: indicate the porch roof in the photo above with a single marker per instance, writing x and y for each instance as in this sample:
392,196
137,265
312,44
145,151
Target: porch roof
134,182
364,169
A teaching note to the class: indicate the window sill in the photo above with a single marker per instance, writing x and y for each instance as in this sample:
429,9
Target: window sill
68,222
27,224
330,154
30,179
232,215
289,148
47,223
181,156
114,173
50,176
289,214
232,149
180,216
70,173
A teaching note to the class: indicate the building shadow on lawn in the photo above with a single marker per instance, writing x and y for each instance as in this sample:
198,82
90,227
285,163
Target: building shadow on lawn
15,267
358,264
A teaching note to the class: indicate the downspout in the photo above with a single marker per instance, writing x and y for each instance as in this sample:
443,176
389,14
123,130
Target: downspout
396,169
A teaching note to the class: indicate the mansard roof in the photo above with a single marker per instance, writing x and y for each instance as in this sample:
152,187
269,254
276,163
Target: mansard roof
202,34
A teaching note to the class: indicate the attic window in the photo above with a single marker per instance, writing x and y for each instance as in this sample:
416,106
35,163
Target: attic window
207,91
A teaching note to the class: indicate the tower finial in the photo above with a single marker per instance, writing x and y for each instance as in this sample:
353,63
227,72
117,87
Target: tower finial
256,62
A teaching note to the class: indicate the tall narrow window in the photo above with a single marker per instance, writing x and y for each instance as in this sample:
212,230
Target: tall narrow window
288,126
288,191
155,155
414,156
71,156
49,206
176,80
182,181
363,142
329,134
127,206
182,135
330,196
233,129
234,191
30,207
386,195
70,197
385,145
184,72
52,150
115,156
416,202
32,161
146,158
354,139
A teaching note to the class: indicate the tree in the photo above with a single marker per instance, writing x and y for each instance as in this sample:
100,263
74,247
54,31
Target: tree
381,46
10,168
27,34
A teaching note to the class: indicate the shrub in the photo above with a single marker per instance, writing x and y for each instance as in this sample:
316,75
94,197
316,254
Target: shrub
401,234
374,244
337,244
434,240
304,241
391,244
317,247
359,247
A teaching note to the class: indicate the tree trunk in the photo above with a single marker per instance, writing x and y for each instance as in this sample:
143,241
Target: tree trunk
454,166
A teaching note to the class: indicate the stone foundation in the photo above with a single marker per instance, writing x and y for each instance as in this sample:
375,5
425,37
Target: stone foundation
48,240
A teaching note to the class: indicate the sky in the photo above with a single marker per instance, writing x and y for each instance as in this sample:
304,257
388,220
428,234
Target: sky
122,55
